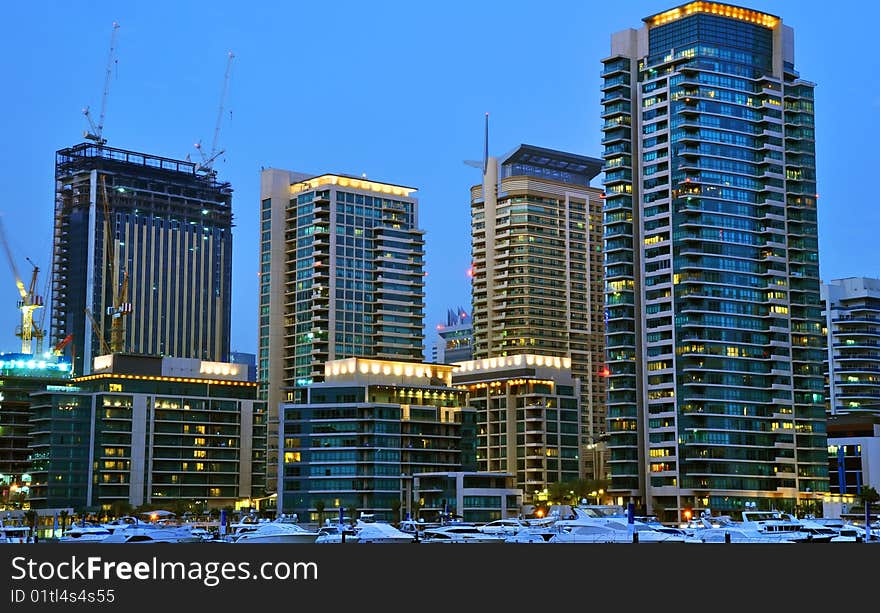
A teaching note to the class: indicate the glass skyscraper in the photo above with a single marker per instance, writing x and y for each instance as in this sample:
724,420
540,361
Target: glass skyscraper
152,230
714,319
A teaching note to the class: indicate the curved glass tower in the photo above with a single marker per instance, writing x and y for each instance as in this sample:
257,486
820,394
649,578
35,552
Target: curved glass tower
714,333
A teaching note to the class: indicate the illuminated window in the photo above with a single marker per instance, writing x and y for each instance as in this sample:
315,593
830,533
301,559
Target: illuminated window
292,456
200,453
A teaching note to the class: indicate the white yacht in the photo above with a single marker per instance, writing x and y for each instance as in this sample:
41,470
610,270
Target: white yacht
380,532
151,533
459,533
121,523
505,527
610,530
758,528
14,533
84,533
846,531
275,532
336,533
780,525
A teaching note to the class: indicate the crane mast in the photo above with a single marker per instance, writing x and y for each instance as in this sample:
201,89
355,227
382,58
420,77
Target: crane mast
209,158
97,133
30,302
120,308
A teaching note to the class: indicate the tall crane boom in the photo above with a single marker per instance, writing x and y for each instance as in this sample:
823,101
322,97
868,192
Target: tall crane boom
97,133
209,158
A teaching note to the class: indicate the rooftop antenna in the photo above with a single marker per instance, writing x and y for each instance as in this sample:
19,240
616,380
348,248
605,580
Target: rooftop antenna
485,163
486,145
209,158
98,129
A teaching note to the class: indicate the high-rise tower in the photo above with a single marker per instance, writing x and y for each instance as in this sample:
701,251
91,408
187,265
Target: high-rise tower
714,329
341,276
536,228
147,239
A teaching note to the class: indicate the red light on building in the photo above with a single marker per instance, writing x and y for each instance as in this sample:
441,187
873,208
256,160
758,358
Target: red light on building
470,272
604,372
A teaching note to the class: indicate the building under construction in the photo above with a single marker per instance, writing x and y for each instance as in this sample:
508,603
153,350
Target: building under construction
142,256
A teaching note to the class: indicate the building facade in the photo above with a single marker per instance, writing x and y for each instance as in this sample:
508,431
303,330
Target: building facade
852,325
455,338
341,275
714,328
20,375
141,256
366,430
853,453
528,418
477,497
536,226
149,430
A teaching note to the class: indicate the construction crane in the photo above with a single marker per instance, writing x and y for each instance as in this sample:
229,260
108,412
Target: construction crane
59,348
97,133
30,302
208,159
97,327
120,308
117,313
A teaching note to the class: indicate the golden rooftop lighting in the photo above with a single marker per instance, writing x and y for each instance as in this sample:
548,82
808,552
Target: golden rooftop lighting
364,184
350,366
513,360
164,378
713,8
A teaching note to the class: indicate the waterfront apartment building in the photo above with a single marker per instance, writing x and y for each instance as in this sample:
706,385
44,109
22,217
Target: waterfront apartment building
21,374
528,418
141,256
852,365
714,329
149,430
341,275
360,436
455,338
536,227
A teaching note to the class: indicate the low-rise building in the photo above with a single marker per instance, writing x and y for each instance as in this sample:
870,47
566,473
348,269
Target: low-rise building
472,496
365,431
149,430
21,374
527,418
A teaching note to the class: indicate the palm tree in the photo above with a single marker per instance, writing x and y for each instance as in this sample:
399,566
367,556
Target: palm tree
319,507
395,510
868,496
31,516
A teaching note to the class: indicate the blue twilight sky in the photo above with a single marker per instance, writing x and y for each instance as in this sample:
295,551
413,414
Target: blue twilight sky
396,90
